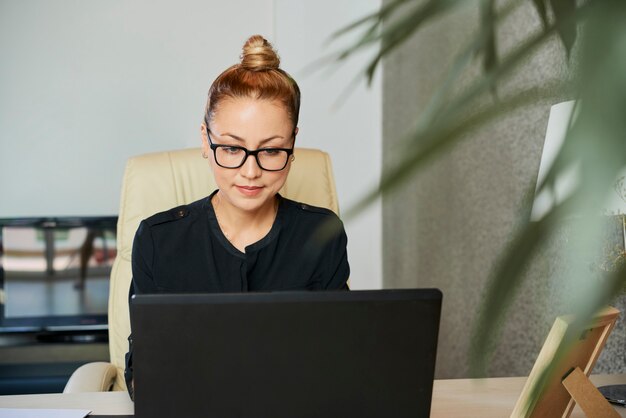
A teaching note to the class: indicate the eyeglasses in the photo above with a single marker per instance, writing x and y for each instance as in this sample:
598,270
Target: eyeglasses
232,156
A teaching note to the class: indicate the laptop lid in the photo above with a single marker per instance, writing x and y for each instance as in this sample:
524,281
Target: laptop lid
285,354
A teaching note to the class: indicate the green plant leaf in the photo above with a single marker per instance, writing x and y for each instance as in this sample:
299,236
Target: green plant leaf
376,17
501,290
597,142
396,31
540,5
434,138
450,116
488,23
568,31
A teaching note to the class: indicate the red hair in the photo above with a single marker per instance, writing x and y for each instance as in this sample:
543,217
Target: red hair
257,76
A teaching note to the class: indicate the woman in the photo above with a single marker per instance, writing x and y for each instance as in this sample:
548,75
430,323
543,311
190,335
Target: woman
244,236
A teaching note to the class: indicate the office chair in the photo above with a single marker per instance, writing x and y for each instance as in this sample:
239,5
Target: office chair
156,182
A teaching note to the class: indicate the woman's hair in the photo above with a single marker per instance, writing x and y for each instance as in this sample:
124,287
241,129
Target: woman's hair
257,76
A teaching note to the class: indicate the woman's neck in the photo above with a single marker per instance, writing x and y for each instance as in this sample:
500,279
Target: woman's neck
241,227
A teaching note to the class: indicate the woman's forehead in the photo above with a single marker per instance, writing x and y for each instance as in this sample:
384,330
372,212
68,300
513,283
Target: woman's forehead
247,114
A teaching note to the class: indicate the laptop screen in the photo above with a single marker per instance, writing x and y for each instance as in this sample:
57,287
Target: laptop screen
305,354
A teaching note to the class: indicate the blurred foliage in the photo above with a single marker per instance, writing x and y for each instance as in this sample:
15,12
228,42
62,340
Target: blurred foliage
612,254
595,141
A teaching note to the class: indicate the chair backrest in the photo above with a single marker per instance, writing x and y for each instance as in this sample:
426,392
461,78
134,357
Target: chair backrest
159,181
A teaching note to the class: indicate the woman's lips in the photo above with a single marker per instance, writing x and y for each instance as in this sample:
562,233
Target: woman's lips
250,190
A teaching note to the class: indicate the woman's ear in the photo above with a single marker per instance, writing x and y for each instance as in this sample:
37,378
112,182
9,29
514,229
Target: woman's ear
205,139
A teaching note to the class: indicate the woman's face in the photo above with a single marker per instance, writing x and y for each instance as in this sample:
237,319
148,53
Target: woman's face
253,124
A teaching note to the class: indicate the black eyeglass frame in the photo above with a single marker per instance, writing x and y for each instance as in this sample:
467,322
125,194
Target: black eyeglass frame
254,153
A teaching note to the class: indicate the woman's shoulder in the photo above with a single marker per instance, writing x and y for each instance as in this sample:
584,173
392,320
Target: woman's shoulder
302,217
307,210
313,225
177,213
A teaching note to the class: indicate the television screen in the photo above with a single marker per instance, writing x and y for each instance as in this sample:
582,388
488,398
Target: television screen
54,273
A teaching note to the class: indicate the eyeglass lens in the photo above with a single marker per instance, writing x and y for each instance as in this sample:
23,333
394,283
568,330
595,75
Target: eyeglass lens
269,159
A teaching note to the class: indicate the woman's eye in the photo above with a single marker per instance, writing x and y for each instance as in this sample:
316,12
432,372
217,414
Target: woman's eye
231,150
270,152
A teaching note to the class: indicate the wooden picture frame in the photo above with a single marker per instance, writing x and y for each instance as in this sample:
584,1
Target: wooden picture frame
569,382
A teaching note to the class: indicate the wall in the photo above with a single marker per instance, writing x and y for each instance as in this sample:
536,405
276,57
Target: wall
85,85
349,130
446,227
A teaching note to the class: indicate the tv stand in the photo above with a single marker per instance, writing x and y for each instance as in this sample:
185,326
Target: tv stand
42,362
73,337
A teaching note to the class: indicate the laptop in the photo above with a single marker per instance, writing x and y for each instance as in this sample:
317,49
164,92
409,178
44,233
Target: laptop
285,354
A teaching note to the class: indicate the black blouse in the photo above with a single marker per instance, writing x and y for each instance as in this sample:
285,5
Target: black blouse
183,250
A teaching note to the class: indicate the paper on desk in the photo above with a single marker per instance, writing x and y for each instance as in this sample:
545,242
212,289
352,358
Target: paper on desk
43,413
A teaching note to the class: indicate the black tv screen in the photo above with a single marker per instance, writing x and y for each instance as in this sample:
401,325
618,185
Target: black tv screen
54,273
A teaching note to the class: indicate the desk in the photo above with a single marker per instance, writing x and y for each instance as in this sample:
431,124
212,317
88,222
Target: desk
493,398
458,398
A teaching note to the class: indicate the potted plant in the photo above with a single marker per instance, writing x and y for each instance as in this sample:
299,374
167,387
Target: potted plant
594,37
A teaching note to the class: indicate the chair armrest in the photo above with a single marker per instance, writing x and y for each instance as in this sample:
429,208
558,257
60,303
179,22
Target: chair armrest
92,377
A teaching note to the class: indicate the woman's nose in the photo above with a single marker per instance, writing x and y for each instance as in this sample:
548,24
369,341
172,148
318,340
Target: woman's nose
250,168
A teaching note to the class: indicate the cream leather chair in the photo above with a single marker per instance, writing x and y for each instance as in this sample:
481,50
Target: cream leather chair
157,182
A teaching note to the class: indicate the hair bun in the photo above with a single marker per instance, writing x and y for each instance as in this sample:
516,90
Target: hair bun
259,55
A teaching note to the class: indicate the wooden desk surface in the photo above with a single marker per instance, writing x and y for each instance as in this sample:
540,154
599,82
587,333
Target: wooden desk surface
493,398
457,398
